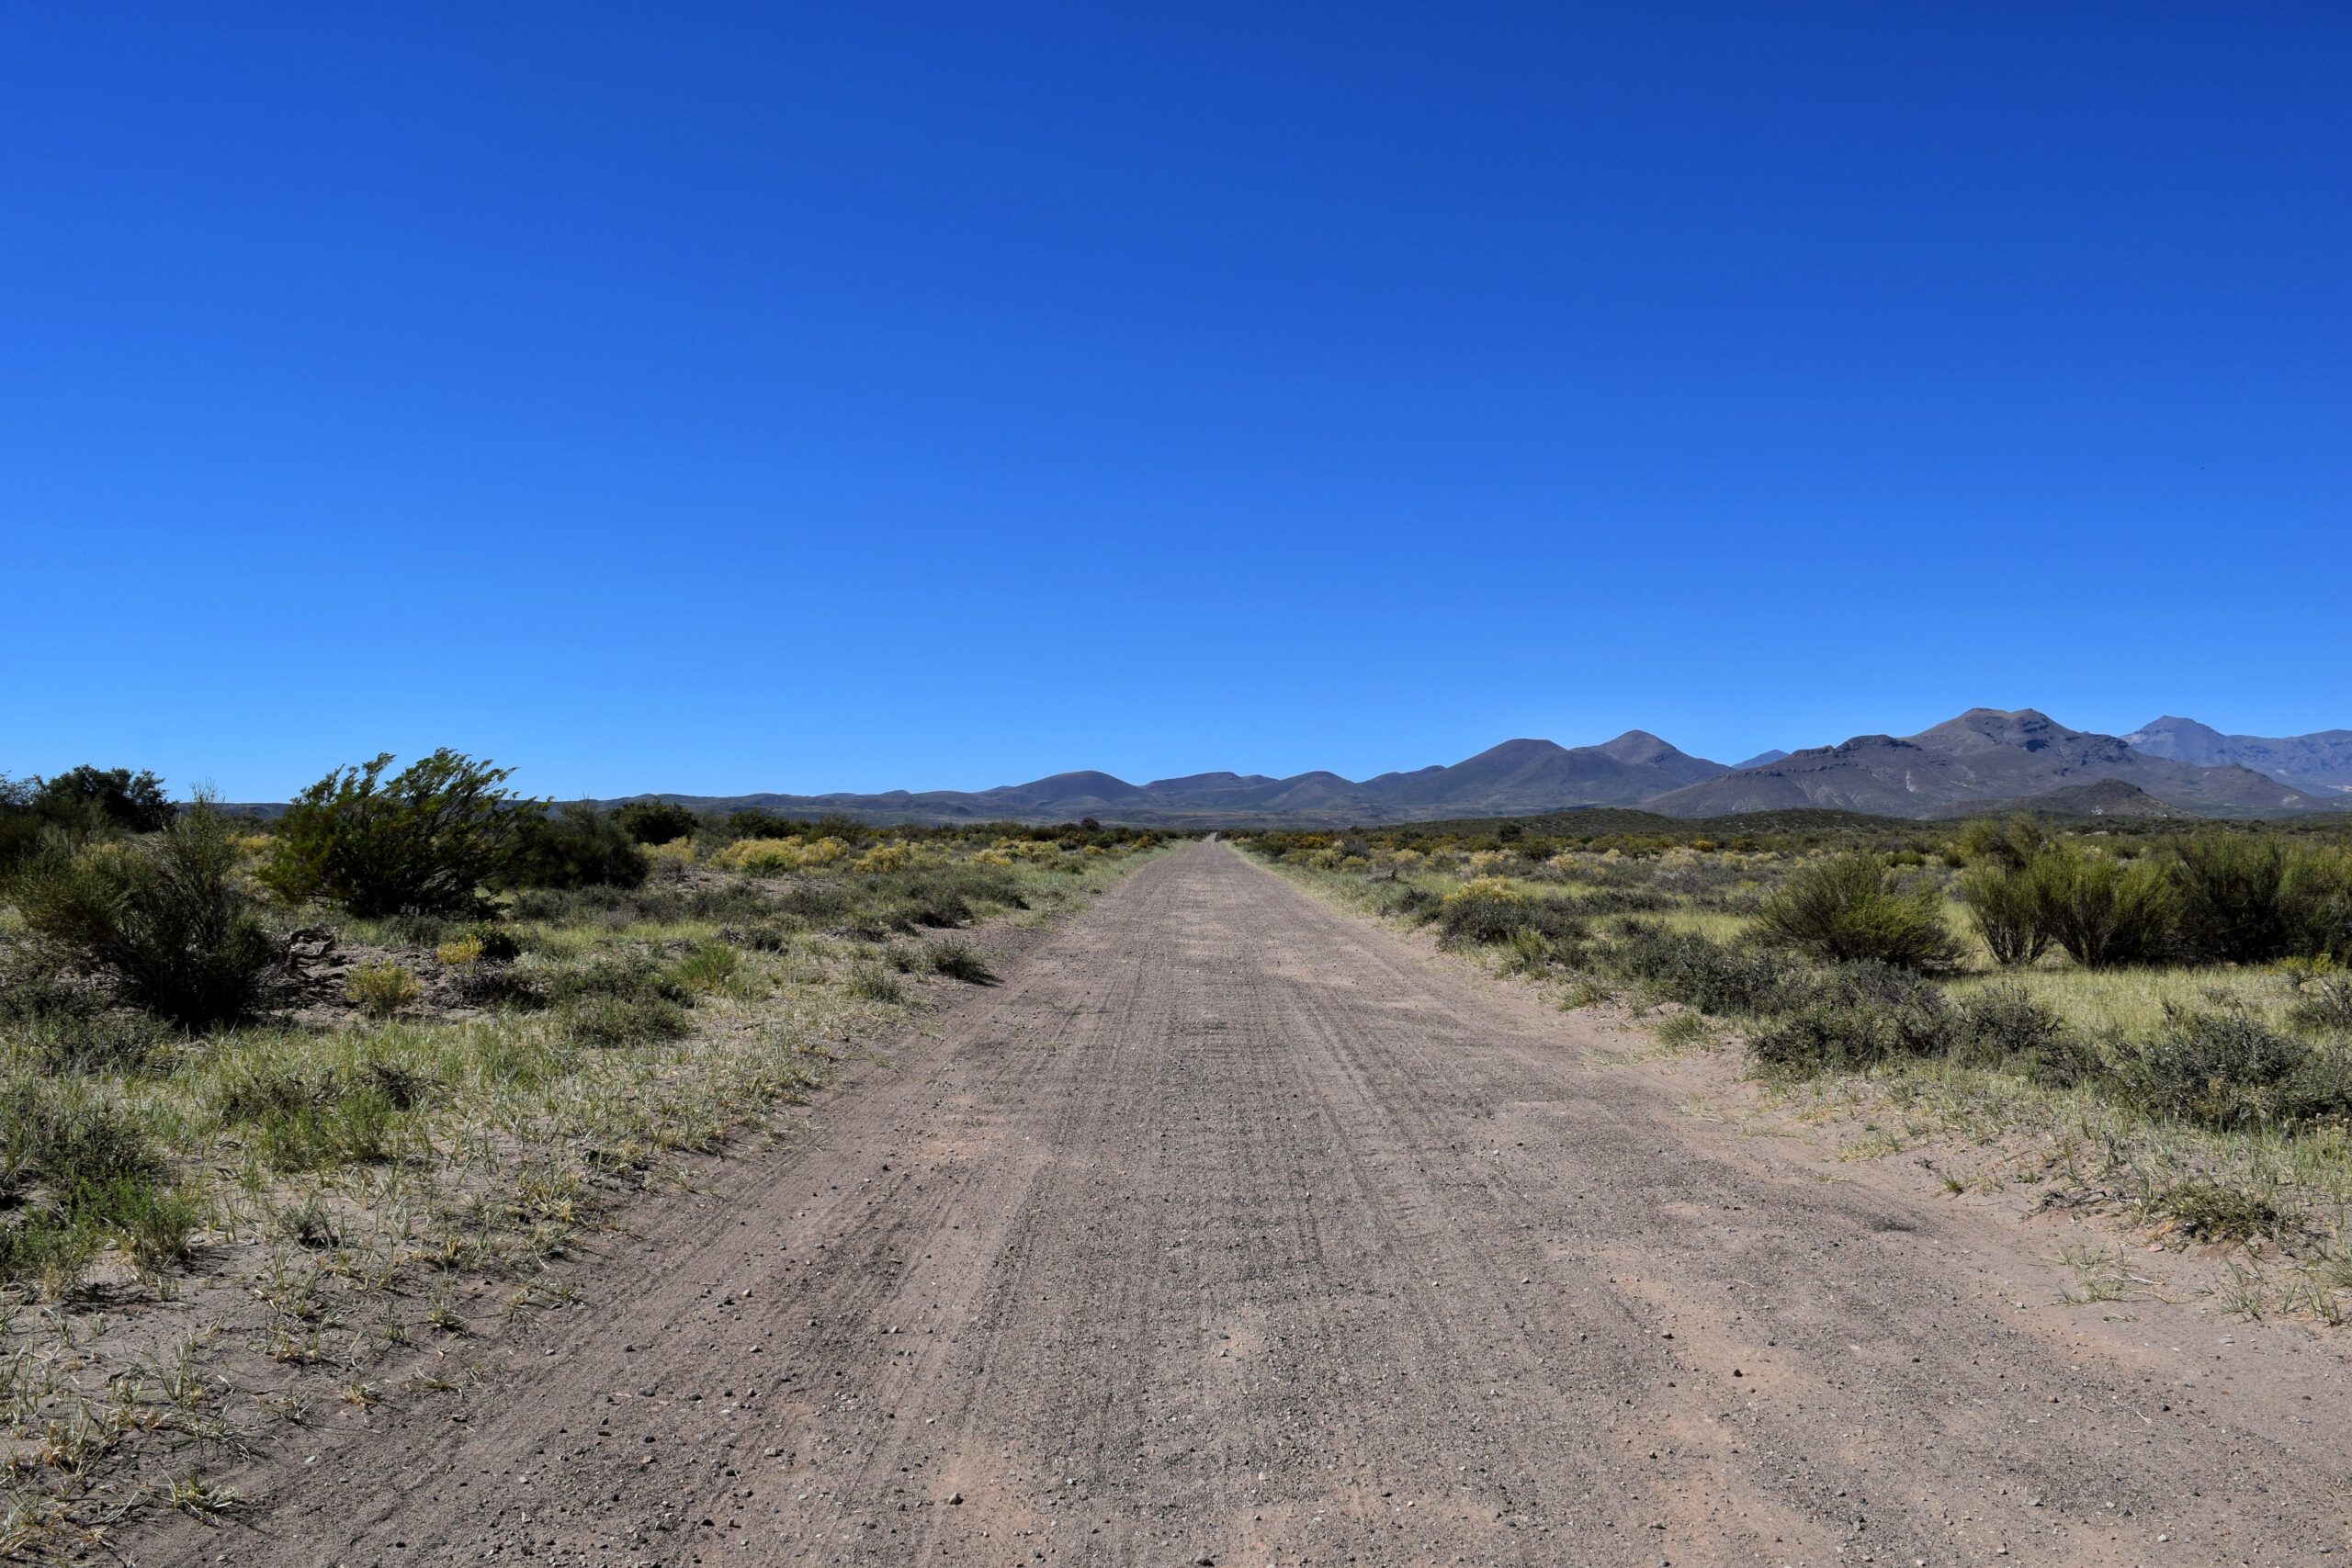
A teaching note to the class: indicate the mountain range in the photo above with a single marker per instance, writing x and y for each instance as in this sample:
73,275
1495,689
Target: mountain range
1986,759
2318,763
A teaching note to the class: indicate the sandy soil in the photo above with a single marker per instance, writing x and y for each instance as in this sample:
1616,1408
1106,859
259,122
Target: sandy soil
1232,1229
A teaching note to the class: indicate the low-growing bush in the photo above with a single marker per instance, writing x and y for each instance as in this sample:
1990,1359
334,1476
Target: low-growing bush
875,984
628,976
65,1027
78,1168
379,990
1852,907
1687,967
511,986
707,968
1856,1016
2325,1006
166,922
2003,1026
2225,1067
1487,911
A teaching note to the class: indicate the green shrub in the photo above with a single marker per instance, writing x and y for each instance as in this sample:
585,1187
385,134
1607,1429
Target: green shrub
1687,967
64,1027
2225,1067
2004,903
2325,1006
2319,888
2012,844
88,800
629,977
656,821
166,922
576,847
1856,1016
2105,913
2003,1026
426,840
1484,915
62,1135
1849,907
2234,902
501,986
1831,1036
379,990
707,968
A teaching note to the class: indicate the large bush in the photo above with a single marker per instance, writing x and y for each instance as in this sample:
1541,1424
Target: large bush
2235,903
2105,912
1852,907
2004,903
2319,889
87,799
166,922
576,847
656,821
425,841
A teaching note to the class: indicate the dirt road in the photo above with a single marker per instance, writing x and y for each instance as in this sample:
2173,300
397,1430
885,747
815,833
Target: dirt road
1234,1229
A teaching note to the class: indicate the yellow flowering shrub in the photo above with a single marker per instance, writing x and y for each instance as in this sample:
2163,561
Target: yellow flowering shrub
885,857
1493,889
779,855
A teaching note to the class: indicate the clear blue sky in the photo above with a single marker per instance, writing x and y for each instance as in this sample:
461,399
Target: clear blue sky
720,398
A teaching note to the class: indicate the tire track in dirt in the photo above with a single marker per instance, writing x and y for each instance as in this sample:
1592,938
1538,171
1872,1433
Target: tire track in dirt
1232,1228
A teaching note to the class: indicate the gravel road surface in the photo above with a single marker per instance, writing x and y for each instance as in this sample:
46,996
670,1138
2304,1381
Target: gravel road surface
1234,1229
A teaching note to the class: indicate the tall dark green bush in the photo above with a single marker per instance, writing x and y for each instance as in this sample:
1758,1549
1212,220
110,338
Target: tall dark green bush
1852,907
21,829
2234,902
166,922
2319,890
2105,913
2004,905
86,799
426,840
656,821
576,847
2012,843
